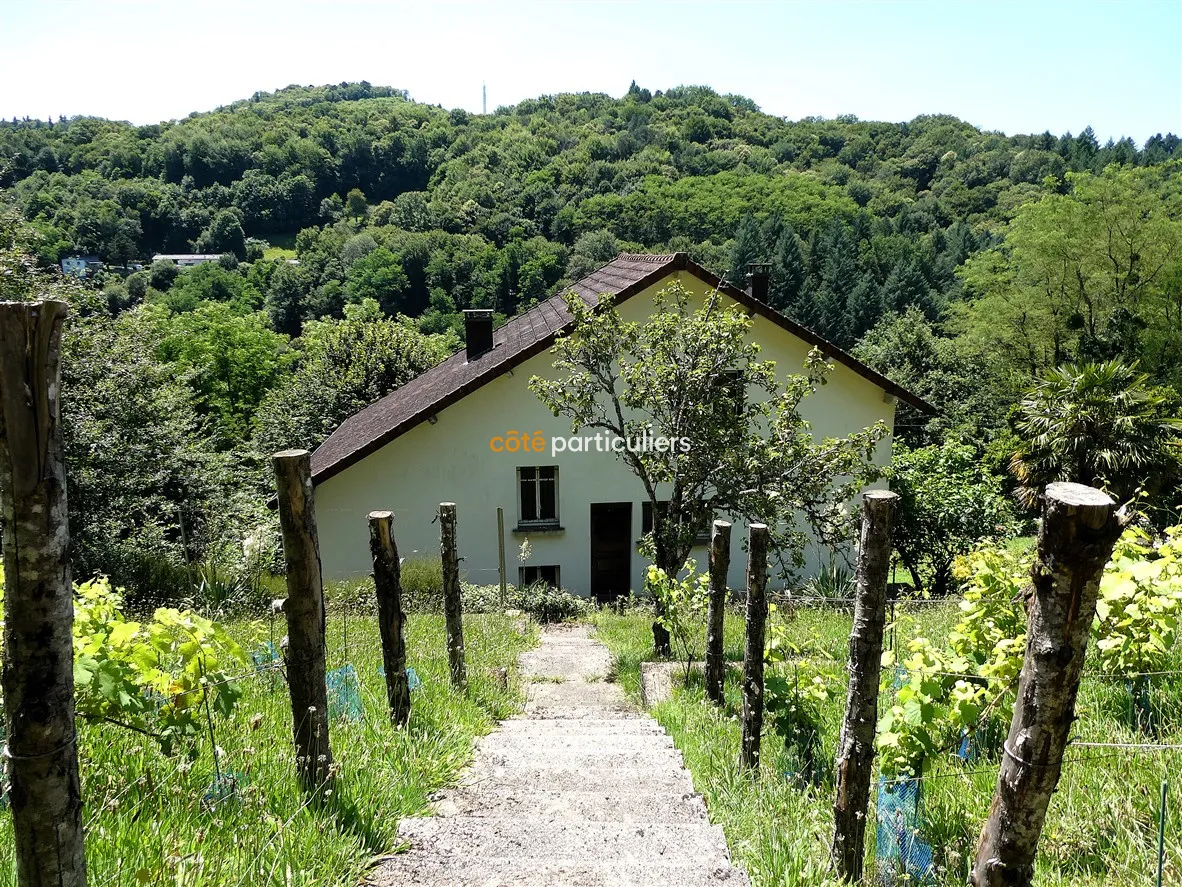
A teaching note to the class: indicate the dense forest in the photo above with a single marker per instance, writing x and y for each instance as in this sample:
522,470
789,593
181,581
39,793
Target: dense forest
354,224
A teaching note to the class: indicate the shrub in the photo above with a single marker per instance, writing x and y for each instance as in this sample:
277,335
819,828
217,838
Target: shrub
422,584
542,602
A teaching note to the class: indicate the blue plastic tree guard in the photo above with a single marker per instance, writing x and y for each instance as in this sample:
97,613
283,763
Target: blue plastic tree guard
413,681
904,858
344,693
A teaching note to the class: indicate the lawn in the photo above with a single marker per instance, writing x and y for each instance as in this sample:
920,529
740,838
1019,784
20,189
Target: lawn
155,820
1102,826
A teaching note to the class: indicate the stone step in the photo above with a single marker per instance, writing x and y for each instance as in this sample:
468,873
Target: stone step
446,871
546,840
655,758
564,777
586,806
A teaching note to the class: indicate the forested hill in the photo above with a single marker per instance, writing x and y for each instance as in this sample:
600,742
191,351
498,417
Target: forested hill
433,211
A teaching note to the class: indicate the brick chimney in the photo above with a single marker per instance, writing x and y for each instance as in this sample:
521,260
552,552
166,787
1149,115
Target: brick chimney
759,275
478,332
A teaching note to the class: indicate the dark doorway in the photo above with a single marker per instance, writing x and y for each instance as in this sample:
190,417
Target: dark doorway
611,550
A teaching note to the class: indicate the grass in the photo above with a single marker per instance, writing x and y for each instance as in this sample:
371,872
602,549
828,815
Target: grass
147,820
1101,828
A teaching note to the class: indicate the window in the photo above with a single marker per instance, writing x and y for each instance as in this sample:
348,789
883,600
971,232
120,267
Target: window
548,573
538,495
646,522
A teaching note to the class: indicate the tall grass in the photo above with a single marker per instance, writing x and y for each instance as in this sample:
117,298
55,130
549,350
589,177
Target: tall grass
1102,825
149,821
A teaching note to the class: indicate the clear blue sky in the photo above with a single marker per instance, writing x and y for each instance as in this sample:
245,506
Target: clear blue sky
1011,66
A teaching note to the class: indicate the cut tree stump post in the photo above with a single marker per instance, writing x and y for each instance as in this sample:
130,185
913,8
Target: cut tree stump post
304,609
38,674
451,594
753,655
1079,528
855,747
720,563
387,580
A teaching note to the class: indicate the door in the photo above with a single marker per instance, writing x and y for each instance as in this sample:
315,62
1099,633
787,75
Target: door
611,550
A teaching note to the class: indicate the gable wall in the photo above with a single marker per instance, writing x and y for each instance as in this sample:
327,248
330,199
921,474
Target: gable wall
452,461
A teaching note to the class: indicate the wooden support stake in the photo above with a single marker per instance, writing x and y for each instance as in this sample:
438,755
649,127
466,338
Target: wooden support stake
387,580
855,747
451,594
38,674
501,556
753,655
1079,528
304,609
720,563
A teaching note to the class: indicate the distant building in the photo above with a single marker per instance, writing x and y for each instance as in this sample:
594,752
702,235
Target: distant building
186,260
81,266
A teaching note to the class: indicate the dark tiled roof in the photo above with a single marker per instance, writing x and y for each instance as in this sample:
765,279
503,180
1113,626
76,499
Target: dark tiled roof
523,337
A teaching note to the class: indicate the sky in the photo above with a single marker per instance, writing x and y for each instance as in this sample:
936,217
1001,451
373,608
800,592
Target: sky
1020,66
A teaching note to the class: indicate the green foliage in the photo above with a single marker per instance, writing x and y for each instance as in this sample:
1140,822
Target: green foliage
1096,424
156,677
948,503
540,601
681,605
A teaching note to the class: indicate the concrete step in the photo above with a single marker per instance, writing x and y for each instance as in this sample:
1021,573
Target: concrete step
565,741
548,697
655,758
587,806
632,724
563,777
547,840
431,870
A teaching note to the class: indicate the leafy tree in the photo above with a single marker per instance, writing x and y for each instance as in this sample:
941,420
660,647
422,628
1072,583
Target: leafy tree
1096,424
286,293
687,374
224,234
378,275
345,365
356,206
948,502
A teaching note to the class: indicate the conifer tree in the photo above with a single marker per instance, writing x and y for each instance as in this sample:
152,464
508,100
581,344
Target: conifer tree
748,248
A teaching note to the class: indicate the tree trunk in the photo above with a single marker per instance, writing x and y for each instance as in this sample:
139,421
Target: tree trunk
855,747
451,594
753,655
670,566
387,580
720,562
1079,529
304,609
38,673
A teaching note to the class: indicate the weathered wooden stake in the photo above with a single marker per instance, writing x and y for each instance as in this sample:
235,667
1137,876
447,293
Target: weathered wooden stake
38,674
753,655
1079,528
501,570
855,747
720,563
304,609
451,594
387,580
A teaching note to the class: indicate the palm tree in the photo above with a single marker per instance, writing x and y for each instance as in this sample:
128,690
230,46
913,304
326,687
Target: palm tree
1100,424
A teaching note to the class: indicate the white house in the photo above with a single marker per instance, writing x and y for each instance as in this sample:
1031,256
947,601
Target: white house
436,440
186,260
80,266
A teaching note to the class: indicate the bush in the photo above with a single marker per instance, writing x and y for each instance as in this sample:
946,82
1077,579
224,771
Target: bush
422,585
540,601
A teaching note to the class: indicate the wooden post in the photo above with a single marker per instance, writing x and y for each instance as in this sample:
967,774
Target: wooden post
501,555
451,594
720,563
38,674
304,609
753,655
855,747
1079,529
387,580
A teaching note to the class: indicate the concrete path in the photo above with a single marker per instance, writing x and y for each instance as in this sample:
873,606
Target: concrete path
581,790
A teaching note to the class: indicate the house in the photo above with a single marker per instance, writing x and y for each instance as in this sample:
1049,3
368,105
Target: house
81,266
448,436
186,260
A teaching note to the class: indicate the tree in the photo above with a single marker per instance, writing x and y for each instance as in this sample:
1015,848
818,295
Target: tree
378,275
686,374
287,290
948,502
748,248
1102,425
345,366
224,235
786,289
356,206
